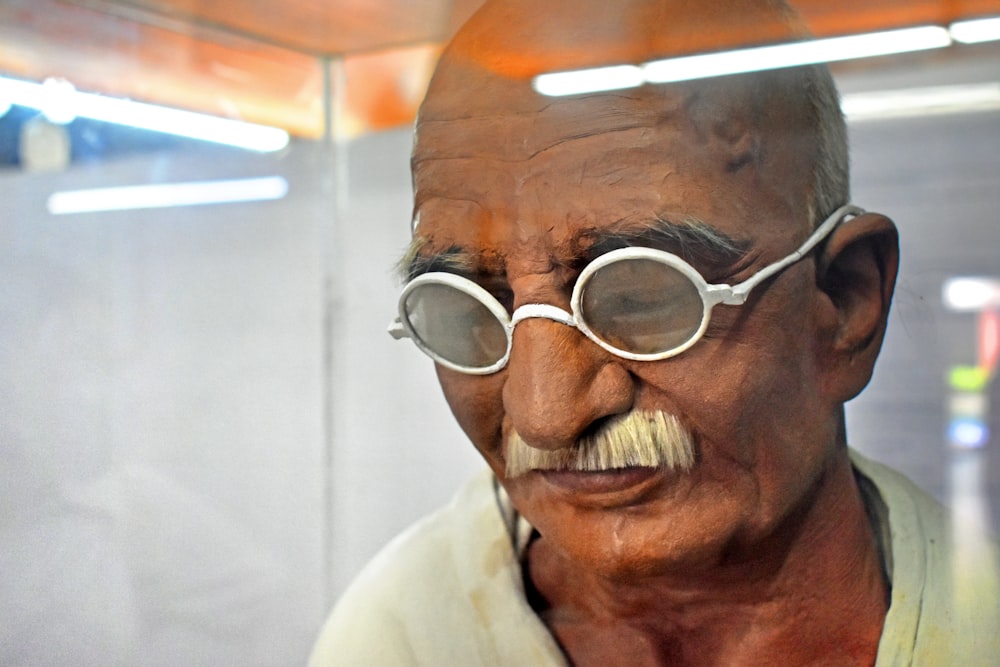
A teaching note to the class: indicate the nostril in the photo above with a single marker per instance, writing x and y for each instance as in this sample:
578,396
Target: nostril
596,426
560,385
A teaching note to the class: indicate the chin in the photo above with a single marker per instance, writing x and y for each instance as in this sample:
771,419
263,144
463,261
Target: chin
657,527
633,556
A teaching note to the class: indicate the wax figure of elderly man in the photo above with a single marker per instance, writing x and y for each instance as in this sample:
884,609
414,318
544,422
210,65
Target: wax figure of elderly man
665,488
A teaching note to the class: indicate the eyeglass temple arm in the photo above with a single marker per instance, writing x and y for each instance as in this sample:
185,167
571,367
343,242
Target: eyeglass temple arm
737,294
397,330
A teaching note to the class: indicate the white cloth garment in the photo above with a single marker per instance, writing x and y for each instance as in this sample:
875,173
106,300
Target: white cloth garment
448,591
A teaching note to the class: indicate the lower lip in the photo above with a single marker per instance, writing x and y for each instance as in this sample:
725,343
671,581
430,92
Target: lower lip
607,481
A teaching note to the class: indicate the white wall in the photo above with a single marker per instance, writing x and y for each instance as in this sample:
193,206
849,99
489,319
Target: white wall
397,452
167,413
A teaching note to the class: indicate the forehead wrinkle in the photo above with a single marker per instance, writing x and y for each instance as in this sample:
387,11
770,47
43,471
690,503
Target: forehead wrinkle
632,160
513,104
496,136
457,146
426,194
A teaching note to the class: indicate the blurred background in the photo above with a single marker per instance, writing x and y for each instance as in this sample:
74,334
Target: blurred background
204,430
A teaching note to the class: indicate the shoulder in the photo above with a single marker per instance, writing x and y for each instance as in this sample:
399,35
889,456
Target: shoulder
912,512
446,591
945,572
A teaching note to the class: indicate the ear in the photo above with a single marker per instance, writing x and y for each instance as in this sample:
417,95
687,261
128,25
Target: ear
857,271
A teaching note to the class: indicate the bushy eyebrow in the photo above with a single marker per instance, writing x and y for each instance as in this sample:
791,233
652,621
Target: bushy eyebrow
693,240
453,260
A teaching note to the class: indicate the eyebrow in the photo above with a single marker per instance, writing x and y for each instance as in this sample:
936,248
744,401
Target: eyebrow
455,259
693,240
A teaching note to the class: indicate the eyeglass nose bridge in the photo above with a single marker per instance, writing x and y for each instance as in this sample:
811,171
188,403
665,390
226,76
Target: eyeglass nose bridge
541,310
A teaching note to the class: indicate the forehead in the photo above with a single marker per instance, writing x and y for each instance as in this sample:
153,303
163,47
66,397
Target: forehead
533,173
509,171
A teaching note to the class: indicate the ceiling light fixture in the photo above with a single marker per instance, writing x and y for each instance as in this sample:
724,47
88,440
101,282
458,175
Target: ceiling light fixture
145,116
928,101
741,61
970,294
165,195
793,54
57,101
592,80
974,31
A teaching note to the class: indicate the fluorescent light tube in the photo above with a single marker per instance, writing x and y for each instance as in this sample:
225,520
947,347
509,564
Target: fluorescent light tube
933,100
971,294
589,80
166,195
975,30
830,49
147,116
740,61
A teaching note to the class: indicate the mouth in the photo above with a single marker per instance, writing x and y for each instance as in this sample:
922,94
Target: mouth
631,481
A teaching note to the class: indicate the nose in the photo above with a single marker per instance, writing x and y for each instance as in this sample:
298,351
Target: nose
559,383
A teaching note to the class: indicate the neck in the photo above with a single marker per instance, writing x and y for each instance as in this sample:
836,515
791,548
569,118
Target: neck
814,592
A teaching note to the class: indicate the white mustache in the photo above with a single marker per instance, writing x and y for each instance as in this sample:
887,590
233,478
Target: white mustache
637,439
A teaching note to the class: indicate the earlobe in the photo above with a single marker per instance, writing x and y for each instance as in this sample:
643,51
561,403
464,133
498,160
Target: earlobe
857,271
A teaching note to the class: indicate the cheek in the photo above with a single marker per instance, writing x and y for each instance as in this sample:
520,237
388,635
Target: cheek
750,389
477,404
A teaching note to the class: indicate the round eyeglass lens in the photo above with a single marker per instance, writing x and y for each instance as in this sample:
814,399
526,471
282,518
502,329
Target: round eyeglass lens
455,325
642,306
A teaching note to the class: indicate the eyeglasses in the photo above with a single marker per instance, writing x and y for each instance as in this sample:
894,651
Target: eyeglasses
637,303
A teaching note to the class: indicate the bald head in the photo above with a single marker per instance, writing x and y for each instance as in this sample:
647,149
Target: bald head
485,79
524,38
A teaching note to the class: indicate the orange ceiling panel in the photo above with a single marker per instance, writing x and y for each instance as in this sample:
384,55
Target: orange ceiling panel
853,16
316,27
264,60
334,27
226,76
384,89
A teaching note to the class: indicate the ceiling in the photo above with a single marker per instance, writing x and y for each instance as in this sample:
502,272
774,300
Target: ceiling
332,27
316,27
271,62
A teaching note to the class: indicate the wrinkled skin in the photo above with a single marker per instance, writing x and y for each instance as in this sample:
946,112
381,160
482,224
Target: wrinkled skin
761,554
